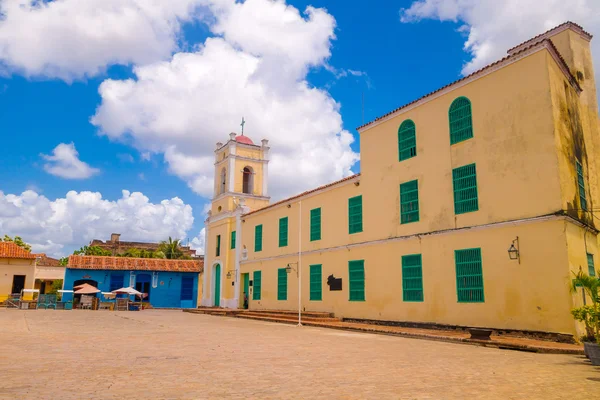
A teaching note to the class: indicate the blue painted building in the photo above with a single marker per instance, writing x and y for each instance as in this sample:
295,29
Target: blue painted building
167,283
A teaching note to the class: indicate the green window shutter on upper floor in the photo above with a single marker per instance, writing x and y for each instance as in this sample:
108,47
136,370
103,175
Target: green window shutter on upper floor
460,119
283,232
591,267
581,185
469,276
355,223
257,284
407,140
409,202
464,182
282,276
316,286
412,278
232,240
258,233
218,252
356,279
315,224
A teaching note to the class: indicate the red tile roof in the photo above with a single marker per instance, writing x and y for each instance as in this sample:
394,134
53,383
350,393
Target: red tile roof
46,261
543,43
577,28
135,264
305,193
11,250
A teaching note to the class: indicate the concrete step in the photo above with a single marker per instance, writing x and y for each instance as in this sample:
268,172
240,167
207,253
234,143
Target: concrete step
315,314
308,322
286,317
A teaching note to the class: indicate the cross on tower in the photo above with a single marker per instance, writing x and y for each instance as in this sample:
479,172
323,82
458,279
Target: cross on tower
242,124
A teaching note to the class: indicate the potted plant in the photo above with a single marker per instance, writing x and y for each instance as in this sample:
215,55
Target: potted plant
589,315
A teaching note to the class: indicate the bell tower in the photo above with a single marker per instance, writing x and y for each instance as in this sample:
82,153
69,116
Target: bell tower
241,169
240,177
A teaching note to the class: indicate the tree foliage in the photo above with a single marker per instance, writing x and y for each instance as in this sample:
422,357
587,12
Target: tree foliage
18,241
92,251
171,249
589,315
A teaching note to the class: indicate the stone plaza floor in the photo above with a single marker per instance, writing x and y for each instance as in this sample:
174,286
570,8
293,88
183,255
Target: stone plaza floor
47,354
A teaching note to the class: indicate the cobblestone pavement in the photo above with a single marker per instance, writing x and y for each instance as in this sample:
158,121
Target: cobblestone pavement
47,354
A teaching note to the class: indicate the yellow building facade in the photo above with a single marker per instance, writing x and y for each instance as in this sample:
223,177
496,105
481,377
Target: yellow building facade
504,158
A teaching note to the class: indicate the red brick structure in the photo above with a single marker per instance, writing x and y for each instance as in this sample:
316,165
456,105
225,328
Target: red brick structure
117,246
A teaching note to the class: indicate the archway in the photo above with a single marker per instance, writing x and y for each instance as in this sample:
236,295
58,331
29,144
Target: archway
223,181
88,281
217,291
248,180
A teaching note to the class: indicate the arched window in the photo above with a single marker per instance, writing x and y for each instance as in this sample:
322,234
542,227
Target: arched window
248,180
223,181
461,123
407,140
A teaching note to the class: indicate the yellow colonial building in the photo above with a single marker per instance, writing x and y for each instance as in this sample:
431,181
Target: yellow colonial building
505,158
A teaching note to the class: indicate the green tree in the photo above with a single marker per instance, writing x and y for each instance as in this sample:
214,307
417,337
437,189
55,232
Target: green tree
57,284
171,248
92,251
18,241
590,315
64,261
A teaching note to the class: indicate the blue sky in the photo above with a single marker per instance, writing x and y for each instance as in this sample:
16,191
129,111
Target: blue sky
397,62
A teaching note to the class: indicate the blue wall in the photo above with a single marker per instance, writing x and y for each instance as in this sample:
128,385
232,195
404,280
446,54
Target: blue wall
166,294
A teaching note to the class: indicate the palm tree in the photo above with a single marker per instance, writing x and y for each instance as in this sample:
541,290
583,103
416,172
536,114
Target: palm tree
588,314
171,248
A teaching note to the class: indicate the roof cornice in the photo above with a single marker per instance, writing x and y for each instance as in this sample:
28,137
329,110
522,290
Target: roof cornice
504,62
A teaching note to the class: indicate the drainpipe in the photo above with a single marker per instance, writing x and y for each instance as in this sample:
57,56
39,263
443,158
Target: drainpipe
238,252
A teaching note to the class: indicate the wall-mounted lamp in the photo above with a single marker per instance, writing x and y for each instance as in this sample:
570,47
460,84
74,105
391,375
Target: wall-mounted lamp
357,183
513,251
289,268
289,206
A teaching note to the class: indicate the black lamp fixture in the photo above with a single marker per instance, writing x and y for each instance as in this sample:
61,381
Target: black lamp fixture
513,251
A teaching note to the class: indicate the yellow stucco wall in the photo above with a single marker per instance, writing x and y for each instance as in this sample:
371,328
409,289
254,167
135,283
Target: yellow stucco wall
529,125
532,295
13,266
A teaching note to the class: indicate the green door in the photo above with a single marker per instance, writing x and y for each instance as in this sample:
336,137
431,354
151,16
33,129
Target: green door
246,281
217,285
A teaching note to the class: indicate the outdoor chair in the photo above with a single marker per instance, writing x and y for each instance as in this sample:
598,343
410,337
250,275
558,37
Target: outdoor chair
122,304
86,302
42,302
51,301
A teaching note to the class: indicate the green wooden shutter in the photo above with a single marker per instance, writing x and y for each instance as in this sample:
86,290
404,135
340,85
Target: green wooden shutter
232,240
412,278
581,184
409,202
591,268
356,278
464,181
407,140
282,276
258,231
355,215
283,232
218,245
469,275
316,291
256,285
315,224
461,121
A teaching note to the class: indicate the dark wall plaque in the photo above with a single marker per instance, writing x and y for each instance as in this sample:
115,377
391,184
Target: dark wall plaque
334,283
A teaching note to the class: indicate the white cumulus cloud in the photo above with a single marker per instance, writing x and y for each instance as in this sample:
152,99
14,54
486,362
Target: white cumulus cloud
494,26
65,163
61,225
74,39
255,67
198,243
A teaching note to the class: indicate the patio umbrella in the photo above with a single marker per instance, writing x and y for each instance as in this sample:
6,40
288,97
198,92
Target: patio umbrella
87,289
129,291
